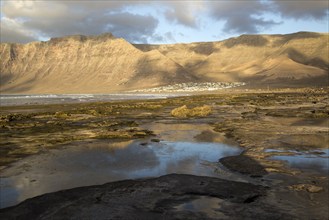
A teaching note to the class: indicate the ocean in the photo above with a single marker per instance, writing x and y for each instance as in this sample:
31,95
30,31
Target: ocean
16,100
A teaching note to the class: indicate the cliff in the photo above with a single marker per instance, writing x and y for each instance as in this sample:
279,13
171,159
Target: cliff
103,64
299,59
80,64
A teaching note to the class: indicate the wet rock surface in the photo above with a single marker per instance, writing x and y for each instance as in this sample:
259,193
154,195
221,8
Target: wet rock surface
150,199
244,165
267,125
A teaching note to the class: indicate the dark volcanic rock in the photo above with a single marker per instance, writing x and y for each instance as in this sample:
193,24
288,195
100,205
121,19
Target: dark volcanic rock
150,199
244,165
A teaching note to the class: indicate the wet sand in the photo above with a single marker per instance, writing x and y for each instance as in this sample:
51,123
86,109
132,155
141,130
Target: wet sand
272,128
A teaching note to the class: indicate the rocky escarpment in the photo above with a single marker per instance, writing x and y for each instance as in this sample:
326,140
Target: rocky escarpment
284,60
80,64
103,64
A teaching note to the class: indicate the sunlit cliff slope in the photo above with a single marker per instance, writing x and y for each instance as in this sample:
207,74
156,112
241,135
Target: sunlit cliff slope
79,64
298,59
103,64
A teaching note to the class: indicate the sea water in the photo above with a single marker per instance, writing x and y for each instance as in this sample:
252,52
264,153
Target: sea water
13,100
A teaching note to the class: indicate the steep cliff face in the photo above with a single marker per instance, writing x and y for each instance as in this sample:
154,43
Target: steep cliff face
79,64
300,58
102,64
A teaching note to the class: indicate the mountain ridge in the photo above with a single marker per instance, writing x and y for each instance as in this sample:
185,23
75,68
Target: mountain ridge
104,63
76,64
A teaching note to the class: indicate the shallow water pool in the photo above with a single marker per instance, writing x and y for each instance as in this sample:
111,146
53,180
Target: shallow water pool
96,162
316,160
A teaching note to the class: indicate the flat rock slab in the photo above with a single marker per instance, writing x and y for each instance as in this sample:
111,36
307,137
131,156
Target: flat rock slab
243,164
174,196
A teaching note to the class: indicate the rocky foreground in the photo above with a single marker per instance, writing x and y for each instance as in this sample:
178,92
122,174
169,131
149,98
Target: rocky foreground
266,124
161,198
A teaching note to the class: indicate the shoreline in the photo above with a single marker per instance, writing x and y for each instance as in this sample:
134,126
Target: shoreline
265,123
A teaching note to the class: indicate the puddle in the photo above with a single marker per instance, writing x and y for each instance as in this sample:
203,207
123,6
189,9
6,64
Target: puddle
317,160
99,161
208,205
280,151
187,132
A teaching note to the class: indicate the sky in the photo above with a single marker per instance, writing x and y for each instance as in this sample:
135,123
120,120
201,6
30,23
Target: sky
159,22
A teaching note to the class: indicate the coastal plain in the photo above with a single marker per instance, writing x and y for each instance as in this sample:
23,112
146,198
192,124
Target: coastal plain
273,127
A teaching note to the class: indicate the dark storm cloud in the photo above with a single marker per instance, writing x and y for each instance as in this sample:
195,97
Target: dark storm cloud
24,21
134,28
241,16
249,16
60,18
317,9
247,24
14,35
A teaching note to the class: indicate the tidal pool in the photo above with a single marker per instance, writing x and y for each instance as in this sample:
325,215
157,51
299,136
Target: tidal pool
316,160
208,205
99,161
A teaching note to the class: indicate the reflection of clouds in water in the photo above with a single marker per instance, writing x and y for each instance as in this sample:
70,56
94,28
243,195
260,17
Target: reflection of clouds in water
130,158
188,157
81,165
306,162
186,165
206,204
210,136
98,162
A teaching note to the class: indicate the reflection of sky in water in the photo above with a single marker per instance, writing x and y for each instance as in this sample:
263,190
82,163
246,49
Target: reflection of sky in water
314,160
208,205
8,193
90,163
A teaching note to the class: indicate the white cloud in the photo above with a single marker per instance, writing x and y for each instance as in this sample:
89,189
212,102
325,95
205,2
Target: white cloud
185,12
23,21
60,18
14,32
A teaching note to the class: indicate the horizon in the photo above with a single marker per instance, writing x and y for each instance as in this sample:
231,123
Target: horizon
115,37
160,22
